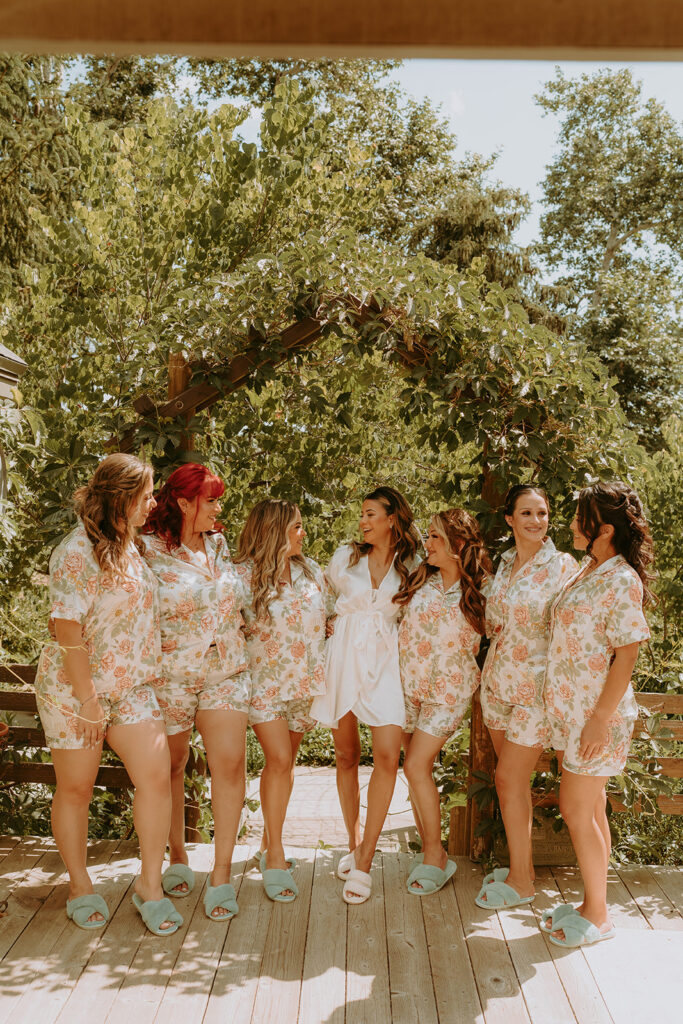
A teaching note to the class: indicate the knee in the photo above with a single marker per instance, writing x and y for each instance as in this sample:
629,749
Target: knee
226,766
348,758
75,791
416,771
279,762
574,811
179,759
386,760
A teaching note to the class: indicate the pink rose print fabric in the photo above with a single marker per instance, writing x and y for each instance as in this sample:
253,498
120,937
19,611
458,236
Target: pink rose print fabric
437,648
200,597
592,616
287,652
517,618
119,617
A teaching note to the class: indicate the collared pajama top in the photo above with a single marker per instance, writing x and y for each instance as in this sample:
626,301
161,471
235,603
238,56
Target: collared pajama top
517,617
591,617
437,646
361,663
200,605
287,651
119,616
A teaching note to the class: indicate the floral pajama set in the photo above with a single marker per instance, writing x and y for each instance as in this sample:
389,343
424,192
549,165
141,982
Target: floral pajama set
287,649
120,620
437,649
205,662
517,619
593,615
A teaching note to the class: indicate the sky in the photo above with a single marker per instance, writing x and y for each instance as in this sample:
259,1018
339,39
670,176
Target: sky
490,107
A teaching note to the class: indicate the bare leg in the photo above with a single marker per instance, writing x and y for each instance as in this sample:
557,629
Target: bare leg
347,756
144,751
406,738
580,798
295,739
224,734
513,777
418,768
275,786
386,749
76,771
179,747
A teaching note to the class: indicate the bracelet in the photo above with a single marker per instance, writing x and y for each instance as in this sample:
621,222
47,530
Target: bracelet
95,696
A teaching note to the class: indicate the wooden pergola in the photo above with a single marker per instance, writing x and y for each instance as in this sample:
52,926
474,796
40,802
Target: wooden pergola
530,29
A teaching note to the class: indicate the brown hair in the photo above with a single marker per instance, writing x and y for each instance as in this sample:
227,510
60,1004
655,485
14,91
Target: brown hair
104,503
263,542
463,541
405,536
618,505
516,492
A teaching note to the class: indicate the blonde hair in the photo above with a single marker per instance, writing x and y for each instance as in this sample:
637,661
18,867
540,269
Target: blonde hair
464,542
404,534
264,543
103,506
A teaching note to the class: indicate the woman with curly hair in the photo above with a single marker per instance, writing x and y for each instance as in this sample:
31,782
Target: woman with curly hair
362,670
285,615
530,575
438,641
96,682
204,678
597,626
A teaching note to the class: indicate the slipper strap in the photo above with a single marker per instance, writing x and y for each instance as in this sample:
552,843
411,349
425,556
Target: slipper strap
276,880
155,912
359,882
220,896
81,908
578,931
503,896
175,875
435,877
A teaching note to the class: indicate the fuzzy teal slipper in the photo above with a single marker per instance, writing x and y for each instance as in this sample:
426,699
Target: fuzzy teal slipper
175,875
430,877
498,894
579,932
276,880
155,912
81,908
220,896
550,918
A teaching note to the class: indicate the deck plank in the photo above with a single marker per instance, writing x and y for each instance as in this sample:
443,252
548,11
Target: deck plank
670,880
279,988
624,912
21,886
187,993
412,990
323,989
501,997
45,997
451,969
576,977
237,976
659,911
367,962
151,969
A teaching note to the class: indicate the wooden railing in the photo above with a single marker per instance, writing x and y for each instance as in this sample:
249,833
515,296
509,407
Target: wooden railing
666,728
110,776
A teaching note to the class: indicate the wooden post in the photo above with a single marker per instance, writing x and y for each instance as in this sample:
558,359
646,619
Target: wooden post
179,375
196,765
483,759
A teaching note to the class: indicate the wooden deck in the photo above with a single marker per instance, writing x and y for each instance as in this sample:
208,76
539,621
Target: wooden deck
395,959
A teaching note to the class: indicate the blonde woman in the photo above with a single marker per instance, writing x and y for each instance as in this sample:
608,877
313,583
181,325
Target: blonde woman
438,641
95,682
285,616
362,670
204,680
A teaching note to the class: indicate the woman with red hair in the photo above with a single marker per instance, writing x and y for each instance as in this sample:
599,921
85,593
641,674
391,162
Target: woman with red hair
204,676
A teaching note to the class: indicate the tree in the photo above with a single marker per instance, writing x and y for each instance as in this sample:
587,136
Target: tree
613,227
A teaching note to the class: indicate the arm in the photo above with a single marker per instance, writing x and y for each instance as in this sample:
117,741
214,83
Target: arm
594,732
90,723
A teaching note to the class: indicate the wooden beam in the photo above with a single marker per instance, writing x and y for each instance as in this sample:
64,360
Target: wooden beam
553,29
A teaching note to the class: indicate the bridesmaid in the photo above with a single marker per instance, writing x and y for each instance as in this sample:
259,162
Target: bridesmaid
362,670
204,679
597,626
529,577
284,610
95,683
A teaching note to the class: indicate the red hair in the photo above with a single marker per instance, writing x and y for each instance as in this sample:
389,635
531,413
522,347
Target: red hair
188,481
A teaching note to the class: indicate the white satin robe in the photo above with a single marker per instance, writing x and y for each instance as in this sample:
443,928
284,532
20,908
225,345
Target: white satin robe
361,657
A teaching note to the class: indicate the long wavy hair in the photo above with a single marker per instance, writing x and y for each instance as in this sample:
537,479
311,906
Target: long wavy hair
264,543
618,505
464,542
404,534
103,506
189,481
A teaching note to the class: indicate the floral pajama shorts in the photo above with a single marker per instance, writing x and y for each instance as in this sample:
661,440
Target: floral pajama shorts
436,719
611,759
59,709
266,708
527,726
181,696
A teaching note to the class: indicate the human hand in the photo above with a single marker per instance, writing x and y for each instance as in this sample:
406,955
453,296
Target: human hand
90,722
329,627
594,736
